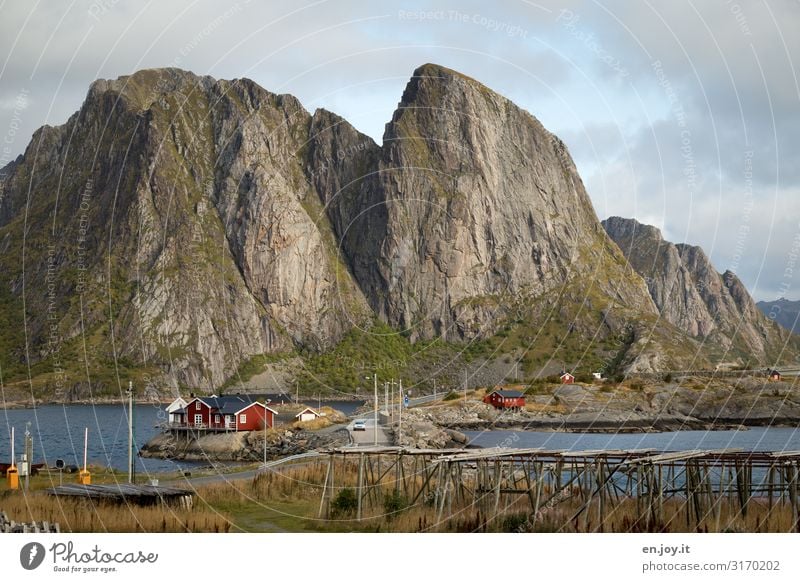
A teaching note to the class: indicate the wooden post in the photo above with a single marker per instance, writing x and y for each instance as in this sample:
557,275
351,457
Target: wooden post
793,495
360,483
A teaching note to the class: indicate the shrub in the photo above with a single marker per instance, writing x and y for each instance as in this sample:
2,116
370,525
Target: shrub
515,523
451,396
668,378
393,503
345,502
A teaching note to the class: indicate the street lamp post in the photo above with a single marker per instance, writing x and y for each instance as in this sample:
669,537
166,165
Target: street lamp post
375,407
131,464
265,432
400,416
375,431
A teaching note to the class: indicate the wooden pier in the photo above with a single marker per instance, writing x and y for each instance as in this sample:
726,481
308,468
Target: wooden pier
697,485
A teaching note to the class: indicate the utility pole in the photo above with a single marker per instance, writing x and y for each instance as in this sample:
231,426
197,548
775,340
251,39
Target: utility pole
131,467
391,399
434,388
375,431
400,414
28,455
265,432
465,385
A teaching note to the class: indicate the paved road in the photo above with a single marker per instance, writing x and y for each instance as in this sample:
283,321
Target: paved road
367,437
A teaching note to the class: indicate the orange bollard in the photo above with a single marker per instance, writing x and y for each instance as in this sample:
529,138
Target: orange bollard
13,477
85,477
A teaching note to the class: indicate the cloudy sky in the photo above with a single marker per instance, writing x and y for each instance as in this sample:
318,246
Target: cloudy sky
685,115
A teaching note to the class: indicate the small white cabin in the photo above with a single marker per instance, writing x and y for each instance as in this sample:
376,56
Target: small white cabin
176,406
307,414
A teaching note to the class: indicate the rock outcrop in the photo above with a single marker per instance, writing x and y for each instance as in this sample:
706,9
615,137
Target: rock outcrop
693,296
240,446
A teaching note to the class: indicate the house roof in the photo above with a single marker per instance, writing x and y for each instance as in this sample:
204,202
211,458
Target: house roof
509,393
176,404
230,404
567,374
307,409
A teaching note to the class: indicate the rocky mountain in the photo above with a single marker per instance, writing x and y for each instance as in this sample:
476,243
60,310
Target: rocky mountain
690,294
473,209
186,231
784,312
174,225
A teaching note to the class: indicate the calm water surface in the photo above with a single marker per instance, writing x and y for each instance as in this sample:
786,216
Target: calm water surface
58,430
754,439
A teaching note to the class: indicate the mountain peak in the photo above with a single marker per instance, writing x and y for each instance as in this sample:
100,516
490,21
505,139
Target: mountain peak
433,70
144,86
619,227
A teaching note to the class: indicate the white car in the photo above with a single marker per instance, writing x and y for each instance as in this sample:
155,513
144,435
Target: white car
360,425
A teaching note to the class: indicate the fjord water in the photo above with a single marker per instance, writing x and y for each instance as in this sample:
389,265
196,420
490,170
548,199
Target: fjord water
753,439
58,430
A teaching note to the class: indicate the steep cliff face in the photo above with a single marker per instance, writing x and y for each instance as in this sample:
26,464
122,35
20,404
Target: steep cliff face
693,296
475,209
174,220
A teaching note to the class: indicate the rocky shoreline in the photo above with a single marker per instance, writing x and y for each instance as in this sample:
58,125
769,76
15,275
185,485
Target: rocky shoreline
630,408
240,446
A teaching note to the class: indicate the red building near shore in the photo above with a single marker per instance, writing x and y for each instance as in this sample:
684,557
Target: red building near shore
224,413
512,399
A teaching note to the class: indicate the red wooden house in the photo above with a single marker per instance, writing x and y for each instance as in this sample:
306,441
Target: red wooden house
225,413
567,378
774,376
512,399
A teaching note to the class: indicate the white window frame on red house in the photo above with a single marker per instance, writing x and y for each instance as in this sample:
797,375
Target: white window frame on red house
242,419
198,419
197,405
216,418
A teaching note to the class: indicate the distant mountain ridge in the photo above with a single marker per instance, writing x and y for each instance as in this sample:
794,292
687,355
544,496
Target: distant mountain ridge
784,312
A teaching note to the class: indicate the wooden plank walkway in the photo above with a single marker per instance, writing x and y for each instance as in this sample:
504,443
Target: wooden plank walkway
139,494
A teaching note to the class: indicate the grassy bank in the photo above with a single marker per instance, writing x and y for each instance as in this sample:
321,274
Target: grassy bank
290,501
81,515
